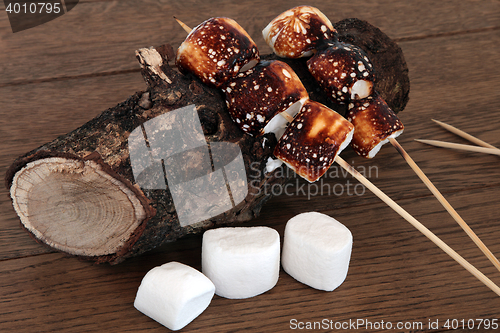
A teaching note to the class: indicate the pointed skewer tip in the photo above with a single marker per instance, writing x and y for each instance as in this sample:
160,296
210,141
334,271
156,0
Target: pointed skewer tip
183,25
464,135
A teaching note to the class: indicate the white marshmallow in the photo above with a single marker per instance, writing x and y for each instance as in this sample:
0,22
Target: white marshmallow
316,250
174,294
242,262
272,164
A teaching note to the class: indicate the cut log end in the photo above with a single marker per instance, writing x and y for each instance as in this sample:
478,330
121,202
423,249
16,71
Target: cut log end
60,199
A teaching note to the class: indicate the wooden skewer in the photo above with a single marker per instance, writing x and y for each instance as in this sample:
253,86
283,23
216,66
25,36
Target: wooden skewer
419,226
285,115
183,25
464,135
493,151
445,203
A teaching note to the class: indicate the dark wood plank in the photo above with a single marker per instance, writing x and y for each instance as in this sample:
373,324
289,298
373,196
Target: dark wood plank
396,274
53,108
58,107
57,76
73,44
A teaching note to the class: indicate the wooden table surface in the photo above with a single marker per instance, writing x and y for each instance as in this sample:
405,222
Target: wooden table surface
57,76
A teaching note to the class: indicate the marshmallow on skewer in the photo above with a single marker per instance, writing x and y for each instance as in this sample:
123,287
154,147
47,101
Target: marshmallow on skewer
374,124
242,262
316,250
298,32
174,294
313,140
343,71
216,50
257,96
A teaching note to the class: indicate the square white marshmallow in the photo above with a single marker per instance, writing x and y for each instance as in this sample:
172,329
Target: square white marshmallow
316,250
242,262
174,294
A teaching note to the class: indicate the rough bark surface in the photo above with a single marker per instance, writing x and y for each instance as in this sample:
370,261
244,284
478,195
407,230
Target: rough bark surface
391,72
104,139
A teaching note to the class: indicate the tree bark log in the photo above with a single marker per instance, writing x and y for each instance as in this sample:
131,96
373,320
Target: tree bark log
79,194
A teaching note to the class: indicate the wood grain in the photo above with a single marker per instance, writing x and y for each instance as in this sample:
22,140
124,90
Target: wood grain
401,277
57,76
76,36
